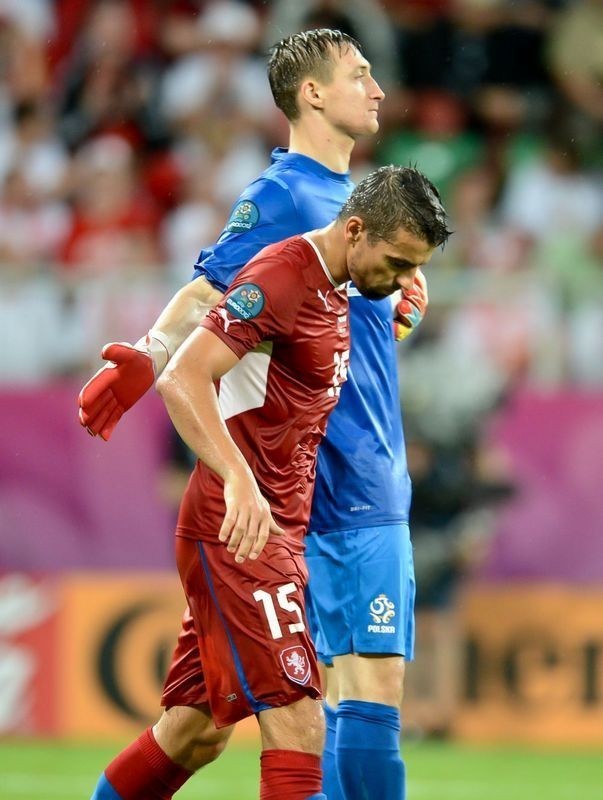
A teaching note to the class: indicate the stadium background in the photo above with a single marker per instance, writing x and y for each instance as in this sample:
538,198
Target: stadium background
126,131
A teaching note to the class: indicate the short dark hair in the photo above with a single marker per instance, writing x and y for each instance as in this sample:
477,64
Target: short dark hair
308,53
398,197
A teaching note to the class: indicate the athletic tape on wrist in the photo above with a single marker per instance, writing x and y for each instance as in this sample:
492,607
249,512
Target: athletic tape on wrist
164,340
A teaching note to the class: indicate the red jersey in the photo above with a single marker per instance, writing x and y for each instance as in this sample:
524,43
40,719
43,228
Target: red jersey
288,322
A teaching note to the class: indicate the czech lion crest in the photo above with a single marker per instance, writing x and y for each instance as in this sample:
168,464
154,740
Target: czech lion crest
296,664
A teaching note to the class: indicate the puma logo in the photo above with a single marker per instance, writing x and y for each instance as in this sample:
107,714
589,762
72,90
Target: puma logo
324,298
223,313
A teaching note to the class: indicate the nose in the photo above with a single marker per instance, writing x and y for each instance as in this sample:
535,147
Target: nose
407,278
377,92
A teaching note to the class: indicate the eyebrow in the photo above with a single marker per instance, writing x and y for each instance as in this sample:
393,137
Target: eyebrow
400,263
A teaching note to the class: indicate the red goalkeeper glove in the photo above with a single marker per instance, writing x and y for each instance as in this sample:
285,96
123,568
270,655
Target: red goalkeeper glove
410,310
121,383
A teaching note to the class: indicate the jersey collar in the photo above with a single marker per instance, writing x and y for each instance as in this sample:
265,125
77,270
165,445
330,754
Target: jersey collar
307,164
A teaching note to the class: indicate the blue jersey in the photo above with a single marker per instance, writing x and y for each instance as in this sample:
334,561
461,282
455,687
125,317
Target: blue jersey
362,479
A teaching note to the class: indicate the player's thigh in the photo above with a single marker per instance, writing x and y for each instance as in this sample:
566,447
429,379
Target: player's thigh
371,678
252,631
383,606
299,726
362,591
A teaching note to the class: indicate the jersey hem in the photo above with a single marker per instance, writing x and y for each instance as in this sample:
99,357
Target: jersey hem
370,523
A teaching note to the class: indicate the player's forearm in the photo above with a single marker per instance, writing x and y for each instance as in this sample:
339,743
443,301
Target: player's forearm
180,317
188,391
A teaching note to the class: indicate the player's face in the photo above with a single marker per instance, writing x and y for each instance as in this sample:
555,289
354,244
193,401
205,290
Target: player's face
352,97
378,269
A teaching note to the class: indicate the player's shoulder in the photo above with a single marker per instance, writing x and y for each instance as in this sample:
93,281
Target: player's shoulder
290,254
285,176
264,200
289,262
274,278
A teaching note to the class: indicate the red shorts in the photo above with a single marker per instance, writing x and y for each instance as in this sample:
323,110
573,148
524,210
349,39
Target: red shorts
245,645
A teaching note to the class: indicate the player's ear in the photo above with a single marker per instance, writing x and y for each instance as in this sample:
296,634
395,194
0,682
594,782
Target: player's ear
310,92
354,227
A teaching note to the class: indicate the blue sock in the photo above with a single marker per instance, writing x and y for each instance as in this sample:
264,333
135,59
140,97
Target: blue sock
330,778
369,763
104,790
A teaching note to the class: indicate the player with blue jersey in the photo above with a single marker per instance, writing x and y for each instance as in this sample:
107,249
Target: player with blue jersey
358,545
358,550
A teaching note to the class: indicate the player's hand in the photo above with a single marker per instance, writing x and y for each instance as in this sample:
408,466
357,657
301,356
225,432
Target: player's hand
248,520
115,388
411,309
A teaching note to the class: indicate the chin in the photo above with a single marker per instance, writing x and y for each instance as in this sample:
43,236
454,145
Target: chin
372,293
370,129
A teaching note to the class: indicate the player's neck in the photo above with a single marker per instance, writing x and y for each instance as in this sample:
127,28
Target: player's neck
328,147
330,242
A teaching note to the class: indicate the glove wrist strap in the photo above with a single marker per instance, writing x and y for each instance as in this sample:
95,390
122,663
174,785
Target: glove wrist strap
157,345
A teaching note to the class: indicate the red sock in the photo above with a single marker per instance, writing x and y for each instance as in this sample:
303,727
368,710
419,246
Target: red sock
144,772
289,775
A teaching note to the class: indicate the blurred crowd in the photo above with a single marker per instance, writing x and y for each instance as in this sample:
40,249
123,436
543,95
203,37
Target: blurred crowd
128,127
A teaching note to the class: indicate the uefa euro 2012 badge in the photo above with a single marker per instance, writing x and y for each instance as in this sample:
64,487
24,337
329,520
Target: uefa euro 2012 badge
245,216
246,301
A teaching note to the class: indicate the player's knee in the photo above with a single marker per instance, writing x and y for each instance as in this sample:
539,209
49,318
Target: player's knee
298,726
203,752
372,678
394,678
188,736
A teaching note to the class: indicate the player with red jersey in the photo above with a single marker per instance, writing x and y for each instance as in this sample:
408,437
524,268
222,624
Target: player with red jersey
277,344
286,313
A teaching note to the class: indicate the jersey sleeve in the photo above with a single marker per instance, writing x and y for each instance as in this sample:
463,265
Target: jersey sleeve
263,214
261,305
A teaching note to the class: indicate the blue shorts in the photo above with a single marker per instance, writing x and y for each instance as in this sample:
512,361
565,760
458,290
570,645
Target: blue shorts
361,592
